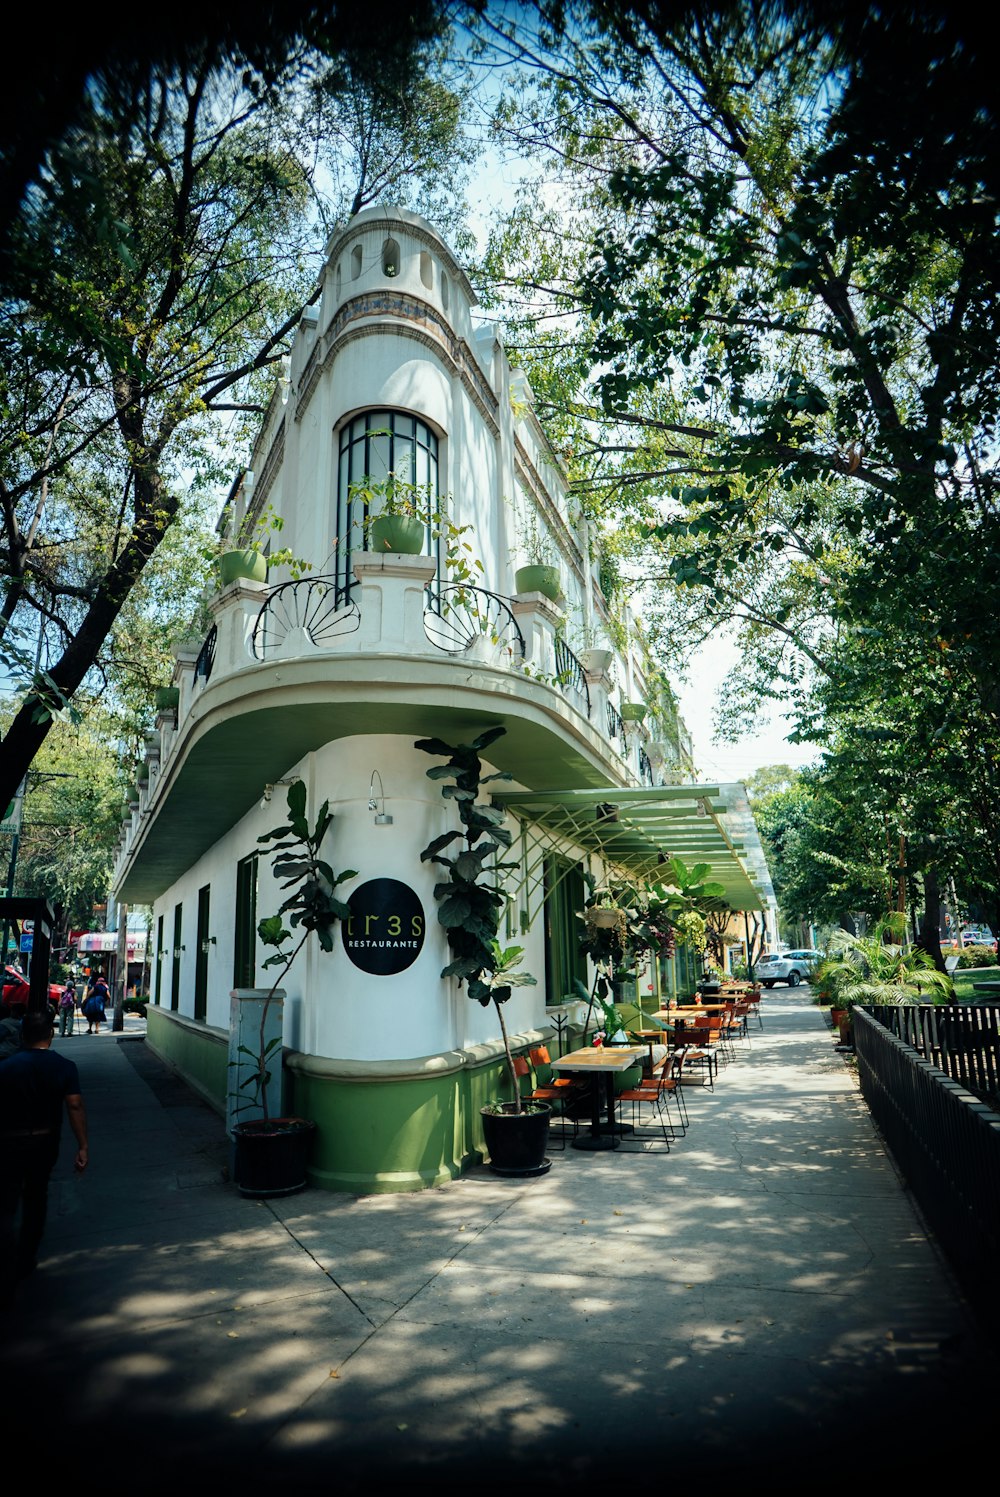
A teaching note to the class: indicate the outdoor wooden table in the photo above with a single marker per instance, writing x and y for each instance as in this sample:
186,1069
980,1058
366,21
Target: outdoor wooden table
601,1061
685,1010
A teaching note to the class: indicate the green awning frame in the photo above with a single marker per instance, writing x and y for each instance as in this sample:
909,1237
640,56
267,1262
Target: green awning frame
709,824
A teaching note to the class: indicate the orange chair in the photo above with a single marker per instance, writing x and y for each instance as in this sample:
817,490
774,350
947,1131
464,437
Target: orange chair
556,1095
655,1092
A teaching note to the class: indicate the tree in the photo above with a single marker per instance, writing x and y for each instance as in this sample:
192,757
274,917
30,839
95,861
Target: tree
791,302
71,821
41,106
154,275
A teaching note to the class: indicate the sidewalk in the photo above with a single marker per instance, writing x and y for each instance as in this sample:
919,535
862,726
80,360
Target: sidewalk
761,1304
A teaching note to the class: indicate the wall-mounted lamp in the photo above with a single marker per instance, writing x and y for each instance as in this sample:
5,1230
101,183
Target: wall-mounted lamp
269,789
375,801
285,378
177,952
208,941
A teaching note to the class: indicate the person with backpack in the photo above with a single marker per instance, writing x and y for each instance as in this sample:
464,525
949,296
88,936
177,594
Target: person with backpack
94,1004
67,1010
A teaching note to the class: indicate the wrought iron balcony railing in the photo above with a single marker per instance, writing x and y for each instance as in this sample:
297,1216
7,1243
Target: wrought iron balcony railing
456,616
320,607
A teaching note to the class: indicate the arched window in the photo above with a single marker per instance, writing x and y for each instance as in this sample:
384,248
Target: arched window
380,450
426,269
445,291
355,262
390,258
336,288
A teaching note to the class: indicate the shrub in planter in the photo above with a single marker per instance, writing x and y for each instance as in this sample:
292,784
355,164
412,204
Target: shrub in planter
469,907
271,1152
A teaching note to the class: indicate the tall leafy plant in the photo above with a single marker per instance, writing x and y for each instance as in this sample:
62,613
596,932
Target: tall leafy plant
876,969
311,905
470,900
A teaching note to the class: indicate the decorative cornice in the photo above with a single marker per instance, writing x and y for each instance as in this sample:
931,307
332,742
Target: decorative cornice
410,318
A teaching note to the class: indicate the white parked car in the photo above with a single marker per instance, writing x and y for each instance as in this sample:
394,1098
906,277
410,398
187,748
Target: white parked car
977,935
786,966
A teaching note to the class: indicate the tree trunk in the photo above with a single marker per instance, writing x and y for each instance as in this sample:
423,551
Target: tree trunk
32,722
929,939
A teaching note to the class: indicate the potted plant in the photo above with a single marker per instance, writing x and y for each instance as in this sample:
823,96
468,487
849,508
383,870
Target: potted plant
250,563
633,712
470,904
397,513
271,1153
877,969
539,572
166,698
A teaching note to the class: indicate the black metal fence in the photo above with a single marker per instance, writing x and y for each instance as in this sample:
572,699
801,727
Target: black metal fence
945,1141
963,1040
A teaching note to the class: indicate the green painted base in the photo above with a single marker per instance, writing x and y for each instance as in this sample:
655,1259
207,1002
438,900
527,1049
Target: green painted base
376,1134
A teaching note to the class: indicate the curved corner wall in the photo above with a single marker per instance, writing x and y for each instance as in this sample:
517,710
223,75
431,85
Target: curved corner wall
382,1126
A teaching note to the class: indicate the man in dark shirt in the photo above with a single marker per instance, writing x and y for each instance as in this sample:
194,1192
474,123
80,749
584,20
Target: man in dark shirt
35,1085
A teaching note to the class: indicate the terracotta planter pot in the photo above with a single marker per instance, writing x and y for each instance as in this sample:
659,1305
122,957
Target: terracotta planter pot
633,712
402,534
166,698
516,1141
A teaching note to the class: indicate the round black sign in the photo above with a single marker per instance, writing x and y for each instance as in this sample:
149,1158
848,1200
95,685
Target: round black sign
386,927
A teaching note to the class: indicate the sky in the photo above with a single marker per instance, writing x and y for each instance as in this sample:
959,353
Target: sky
697,698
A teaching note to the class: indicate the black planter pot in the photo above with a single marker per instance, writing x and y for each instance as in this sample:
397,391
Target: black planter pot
271,1156
516,1141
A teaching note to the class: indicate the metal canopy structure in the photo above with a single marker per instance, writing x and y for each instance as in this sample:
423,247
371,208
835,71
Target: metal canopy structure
635,831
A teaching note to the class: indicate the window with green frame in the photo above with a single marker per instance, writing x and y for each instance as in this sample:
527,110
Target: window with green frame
564,898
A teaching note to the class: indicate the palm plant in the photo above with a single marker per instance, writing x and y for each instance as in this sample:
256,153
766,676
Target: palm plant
877,969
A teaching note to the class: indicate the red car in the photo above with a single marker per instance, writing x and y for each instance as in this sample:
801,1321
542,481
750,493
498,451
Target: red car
16,990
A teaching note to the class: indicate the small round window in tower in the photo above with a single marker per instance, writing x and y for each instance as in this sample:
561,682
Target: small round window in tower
355,262
426,269
445,291
390,258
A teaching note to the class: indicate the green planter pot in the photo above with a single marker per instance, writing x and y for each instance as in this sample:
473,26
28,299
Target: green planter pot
237,566
539,579
399,533
271,1156
516,1141
166,698
633,712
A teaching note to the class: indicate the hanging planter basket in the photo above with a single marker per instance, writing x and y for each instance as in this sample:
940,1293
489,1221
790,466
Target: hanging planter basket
606,917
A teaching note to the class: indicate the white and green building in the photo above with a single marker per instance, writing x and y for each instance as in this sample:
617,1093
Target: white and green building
331,678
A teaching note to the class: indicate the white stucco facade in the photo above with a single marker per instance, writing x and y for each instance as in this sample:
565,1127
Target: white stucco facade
332,678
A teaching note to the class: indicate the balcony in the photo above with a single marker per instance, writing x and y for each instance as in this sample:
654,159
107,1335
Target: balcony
285,670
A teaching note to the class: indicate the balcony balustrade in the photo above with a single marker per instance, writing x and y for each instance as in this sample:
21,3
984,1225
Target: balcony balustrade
394,607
